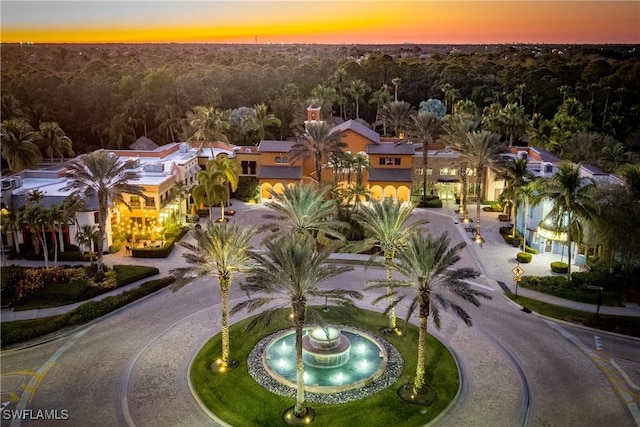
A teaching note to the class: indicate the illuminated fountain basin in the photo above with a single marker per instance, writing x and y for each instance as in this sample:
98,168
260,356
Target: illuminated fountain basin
341,364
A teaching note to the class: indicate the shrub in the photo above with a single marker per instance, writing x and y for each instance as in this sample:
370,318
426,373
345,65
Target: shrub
531,250
596,278
559,267
524,257
115,246
430,202
34,279
130,273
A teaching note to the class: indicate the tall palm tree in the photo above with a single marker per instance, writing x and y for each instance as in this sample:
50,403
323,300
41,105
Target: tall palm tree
456,128
169,121
290,270
360,163
11,107
380,98
516,177
207,124
101,175
396,82
426,127
319,143
179,193
574,205
357,89
220,250
481,149
427,265
264,119
211,188
631,174
397,114
340,79
387,228
71,206
87,236
302,209
120,132
18,147
53,219
509,121
326,96
53,141
616,155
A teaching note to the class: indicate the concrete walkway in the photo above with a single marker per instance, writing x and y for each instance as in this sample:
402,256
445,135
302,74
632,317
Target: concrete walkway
496,260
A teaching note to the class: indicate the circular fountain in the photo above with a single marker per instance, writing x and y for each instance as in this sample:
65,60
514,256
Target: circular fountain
325,347
340,363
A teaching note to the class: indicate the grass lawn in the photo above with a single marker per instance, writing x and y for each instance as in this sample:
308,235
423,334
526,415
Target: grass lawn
619,324
237,399
560,287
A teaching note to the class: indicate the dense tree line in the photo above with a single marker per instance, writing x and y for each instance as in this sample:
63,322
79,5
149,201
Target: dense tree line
108,95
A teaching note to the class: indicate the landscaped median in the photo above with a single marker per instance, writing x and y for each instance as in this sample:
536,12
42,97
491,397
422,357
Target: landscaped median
25,330
239,400
625,325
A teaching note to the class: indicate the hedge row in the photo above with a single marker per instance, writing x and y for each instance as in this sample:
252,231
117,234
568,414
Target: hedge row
20,331
162,252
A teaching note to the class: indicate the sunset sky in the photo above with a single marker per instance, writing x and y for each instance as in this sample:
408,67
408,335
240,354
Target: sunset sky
307,21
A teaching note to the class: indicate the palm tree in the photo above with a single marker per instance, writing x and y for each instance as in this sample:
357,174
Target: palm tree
11,107
169,121
573,201
264,119
87,236
120,132
53,141
302,209
516,177
456,128
71,206
380,98
360,163
18,148
340,78
357,89
101,175
318,143
387,227
211,188
326,96
179,192
396,114
396,82
631,174
427,127
207,124
428,267
510,121
220,250
53,219
32,217
481,149
616,155
290,269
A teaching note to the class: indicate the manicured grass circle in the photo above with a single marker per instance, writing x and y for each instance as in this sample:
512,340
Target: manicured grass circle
238,400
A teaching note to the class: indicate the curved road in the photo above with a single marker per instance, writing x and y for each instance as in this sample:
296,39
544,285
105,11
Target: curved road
131,367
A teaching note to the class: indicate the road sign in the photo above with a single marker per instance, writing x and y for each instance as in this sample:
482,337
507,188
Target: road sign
517,271
517,278
594,288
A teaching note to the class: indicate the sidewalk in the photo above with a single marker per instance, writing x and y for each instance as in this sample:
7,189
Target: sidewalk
496,260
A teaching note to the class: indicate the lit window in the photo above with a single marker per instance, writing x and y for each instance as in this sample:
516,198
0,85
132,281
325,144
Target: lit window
419,171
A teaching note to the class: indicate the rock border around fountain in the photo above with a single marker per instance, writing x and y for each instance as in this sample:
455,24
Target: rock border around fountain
386,378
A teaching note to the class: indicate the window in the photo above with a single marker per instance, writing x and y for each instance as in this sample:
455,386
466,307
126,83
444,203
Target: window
252,168
548,168
285,159
429,171
245,167
419,170
469,172
96,220
134,201
453,171
149,202
444,171
389,161
278,159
